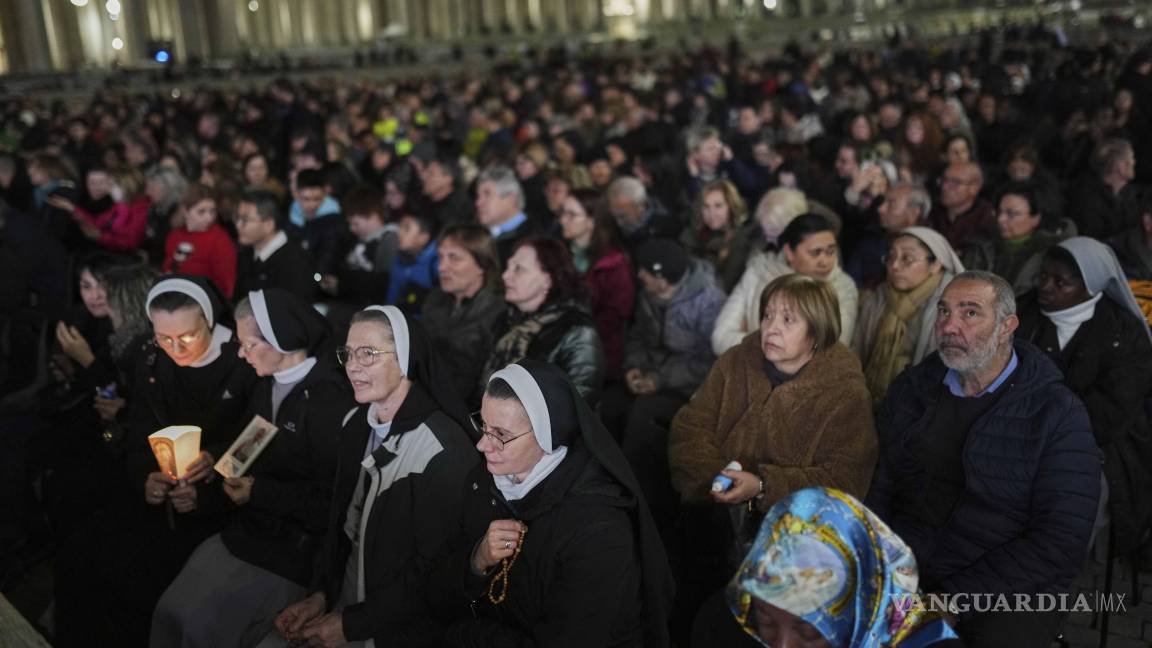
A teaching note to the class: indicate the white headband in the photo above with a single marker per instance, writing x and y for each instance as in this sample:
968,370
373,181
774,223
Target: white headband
532,399
399,333
263,320
198,294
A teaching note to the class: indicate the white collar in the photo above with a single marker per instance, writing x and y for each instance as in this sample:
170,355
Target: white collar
381,429
270,248
293,375
220,335
513,490
1068,321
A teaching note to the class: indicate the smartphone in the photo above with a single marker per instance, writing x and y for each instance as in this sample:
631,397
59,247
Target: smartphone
108,392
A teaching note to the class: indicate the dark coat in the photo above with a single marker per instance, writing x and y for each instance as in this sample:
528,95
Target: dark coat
283,523
612,293
570,342
1106,364
1098,212
659,223
289,268
1032,480
409,527
465,335
577,580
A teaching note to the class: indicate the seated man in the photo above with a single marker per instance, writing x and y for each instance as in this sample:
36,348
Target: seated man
268,258
500,208
988,467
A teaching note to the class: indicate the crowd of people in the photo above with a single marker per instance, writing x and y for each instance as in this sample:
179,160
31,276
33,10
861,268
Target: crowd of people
701,348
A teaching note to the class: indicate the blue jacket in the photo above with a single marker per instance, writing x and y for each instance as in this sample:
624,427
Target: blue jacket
1032,480
411,279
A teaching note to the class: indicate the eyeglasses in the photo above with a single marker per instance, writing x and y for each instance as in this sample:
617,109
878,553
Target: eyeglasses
365,356
499,437
903,261
188,339
247,348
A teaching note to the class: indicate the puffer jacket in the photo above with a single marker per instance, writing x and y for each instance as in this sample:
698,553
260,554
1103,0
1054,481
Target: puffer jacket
1032,481
741,313
1019,265
465,333
670,339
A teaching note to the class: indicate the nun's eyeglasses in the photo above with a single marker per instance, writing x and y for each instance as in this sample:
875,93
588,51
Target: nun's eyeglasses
188,339
365,356
499,437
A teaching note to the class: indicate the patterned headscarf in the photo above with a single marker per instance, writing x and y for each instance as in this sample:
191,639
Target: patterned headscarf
825,558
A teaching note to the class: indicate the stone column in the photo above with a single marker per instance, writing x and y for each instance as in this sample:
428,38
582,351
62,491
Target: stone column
23,25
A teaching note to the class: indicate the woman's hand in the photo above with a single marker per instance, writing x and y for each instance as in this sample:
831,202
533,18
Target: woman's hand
497,544
640,383
325,632
296,616
745,486
90,231
200,469
60,202
183,497
107,408
157,487
74,345
239,489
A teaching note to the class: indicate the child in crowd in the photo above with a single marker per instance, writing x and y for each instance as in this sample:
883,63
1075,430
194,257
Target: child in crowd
415,270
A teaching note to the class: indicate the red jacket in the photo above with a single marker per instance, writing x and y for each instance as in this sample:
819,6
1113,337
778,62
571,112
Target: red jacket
210,254
122,227
612,289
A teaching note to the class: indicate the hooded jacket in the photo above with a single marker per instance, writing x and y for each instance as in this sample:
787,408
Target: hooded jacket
671,338
1031,482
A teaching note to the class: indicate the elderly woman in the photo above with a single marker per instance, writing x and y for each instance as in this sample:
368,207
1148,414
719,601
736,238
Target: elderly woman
718,234
282,499
824,571
461,314
789,403
808,246
547,317
896,326
1084,317
402,459
559,549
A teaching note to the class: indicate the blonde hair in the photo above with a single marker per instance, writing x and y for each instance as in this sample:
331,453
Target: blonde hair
814,300
737,208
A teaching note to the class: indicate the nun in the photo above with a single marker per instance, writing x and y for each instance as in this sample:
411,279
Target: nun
1083,316
402,461
110,578
237,581
561,549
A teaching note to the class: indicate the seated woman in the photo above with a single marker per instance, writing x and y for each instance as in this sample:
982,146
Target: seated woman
1083,316
461,314
559,548
897,322
789,404
283,499
599,257
119,568
1015,255
824,571
718,233
807,246
402,460
547,316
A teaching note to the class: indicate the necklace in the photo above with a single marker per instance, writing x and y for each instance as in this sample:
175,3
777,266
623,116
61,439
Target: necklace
502,575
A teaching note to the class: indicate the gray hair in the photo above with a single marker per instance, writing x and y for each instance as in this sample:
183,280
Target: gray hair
1108,153
172,180
243,310
697,136
505,182
1005,298
628,188
918,197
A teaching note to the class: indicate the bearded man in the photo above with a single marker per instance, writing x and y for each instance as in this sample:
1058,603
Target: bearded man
988,468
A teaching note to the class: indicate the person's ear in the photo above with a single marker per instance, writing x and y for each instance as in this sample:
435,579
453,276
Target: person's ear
1009,326
789,255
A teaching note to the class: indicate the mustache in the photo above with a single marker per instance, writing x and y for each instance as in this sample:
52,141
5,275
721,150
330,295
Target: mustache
953,341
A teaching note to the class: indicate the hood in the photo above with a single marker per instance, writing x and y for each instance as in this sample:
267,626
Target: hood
327,208
700,277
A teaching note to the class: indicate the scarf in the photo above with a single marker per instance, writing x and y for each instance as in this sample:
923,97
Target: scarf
513,345
893,348
1068,321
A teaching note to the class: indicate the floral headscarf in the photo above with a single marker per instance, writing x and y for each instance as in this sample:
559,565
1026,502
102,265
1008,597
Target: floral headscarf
824,557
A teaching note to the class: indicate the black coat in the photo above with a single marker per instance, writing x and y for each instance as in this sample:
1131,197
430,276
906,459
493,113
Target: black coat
285,520
289,268
409,526
1031,482
464,335
1098,212
577,580
1106,363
